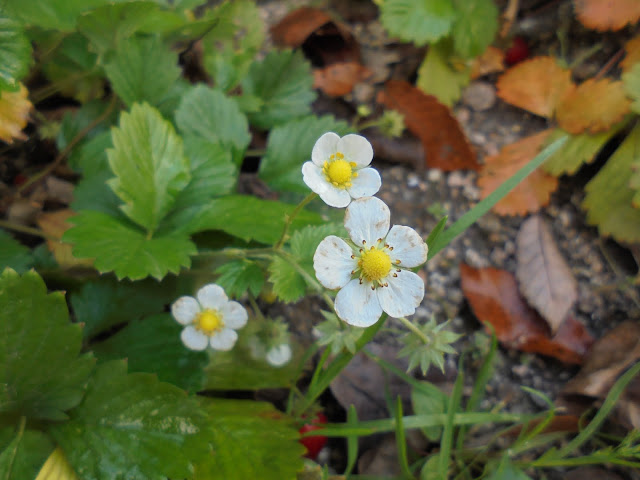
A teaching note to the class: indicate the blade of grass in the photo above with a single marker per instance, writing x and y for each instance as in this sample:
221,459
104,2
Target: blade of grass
401,442
446,442
437,230
352,442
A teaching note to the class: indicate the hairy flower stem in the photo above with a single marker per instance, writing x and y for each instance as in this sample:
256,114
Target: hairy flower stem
289,219
416,330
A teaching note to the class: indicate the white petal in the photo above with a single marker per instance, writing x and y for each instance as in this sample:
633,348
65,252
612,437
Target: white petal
324,148
408,246
279,355
335,197
224,340
314,178
212,296
234,315
403,295
185,309
366,184
356,149
367,219
357,304
333,263
194,339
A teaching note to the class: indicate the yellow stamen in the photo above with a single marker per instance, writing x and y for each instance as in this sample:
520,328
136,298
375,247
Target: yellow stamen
338,171
375,264
209,322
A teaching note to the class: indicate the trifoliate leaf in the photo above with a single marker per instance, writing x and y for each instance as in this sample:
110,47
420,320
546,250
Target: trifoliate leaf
13,254
125,250
287,282
14,114
153,345
22,453
57,467
250,440
608,199
475,26
15,53
143,69
290,145
209,114
437,77
631,81
283,81
240,276
149,163
132,426
418,21
51,15
41,374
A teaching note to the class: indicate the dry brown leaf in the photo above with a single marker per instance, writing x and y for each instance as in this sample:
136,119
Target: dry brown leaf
55,224
491,61
445,145
544,277
536,85
533,192
594,106
339,78
14,114
604,15
297,26
632,54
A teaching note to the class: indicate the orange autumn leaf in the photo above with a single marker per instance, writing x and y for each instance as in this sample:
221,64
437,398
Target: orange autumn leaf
14,114
533,192
604,15
536,85
54,224
491,61
339,78
297,26
632,54
445,145
594,106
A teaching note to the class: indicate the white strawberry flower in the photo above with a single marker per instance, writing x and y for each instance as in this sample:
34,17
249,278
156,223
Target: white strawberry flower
210,319
339,169
371,270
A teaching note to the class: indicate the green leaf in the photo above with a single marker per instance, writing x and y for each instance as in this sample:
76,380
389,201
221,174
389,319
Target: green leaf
149,163
288,284
506,470
93,193
41,375
13,254
304,242
437,77
22,453
153,345
608,199
209,114
132,426
475,27
429,400
283,82
631,80
251,440
125,250
15,53
252,218
142,69
418,21
290,145
240,276
55,15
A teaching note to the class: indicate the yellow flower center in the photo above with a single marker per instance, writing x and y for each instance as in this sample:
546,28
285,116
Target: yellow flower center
338,171
375,264
209,322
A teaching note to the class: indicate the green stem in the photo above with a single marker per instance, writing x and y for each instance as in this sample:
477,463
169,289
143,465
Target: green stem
289,219
407,323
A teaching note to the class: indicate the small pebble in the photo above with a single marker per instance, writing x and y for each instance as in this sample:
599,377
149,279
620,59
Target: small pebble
480,96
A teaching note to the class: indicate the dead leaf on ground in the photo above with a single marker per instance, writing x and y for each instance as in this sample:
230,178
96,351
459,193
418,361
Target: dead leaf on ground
14,114
445,145
533,193
55,224
495,299
536,85
491,61
594,106
294,29
544,276
339,79
604,15
632,54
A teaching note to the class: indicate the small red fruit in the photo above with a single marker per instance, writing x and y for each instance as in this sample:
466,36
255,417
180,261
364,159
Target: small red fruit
314,443
517,52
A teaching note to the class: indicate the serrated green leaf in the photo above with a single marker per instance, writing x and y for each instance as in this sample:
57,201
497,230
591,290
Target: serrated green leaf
608,199
125,250
56,15
132,426
153,345
209,114
41,374
15,53
93,193
290,145
22,453
418,21
631,80
283,82
305,241
288,284
13,254
240,276
437,77
149,163
475,26
251,440
142,69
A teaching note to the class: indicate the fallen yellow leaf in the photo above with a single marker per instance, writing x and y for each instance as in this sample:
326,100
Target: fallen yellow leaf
14,114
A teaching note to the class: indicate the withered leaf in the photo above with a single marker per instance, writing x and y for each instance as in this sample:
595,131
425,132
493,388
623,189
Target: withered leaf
604,15
632,54
298,25
14,114
55,224
544,277
491,61
339,79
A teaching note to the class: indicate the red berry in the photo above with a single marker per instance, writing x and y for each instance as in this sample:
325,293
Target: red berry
314,443
517,52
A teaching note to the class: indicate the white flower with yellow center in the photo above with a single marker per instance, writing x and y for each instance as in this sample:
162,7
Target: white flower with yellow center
210,319
371,269
339,169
